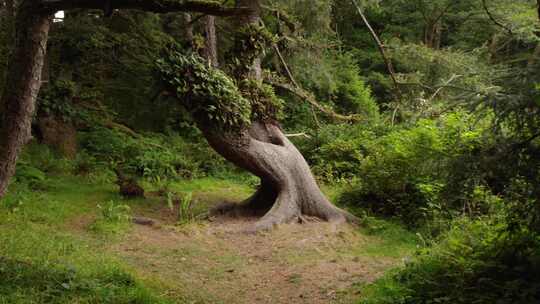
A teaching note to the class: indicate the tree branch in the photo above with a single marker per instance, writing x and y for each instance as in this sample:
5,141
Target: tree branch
382,50
495,20
298,91
156,6
312,101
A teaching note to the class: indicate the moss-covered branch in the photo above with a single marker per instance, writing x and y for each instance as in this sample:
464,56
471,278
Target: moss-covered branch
156,6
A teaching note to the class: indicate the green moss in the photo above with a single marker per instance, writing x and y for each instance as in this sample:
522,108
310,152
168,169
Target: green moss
251,41
208,94
265,105
212,97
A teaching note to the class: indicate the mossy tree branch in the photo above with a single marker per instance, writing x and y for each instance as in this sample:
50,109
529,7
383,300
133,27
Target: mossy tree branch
157,6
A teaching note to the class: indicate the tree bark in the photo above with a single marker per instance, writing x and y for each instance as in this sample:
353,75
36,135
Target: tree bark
288,190
23,84
188,29
210,43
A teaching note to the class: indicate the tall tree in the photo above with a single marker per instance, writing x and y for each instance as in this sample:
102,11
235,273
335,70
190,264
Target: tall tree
22,86
251,137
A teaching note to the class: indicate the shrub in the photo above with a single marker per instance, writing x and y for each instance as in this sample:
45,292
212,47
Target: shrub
151,155
477,262
409,173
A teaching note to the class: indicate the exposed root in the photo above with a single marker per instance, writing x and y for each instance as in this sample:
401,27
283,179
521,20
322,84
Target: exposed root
284,211
235,210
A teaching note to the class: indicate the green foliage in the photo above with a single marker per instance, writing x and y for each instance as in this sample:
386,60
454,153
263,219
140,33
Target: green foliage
412,173
476,262
57,99
113,212
185,212
335,79
113,218
265,105
250,42
151,155
209,95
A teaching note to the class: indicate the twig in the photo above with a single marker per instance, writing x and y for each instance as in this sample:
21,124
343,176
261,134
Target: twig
452,78
382,50
495,20
311,100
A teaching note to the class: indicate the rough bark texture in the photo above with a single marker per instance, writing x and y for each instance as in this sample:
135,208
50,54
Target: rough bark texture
23,84
189,28
288,190
210,45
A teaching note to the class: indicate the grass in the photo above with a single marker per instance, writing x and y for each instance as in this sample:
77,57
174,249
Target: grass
55,246
44,261
392,239
41,263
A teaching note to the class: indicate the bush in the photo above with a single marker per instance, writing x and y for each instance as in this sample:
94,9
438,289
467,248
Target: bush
409,173
151,155
336,152
477,262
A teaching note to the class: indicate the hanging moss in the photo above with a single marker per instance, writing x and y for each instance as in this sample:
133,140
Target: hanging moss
207,93
212,97
251,41
265,105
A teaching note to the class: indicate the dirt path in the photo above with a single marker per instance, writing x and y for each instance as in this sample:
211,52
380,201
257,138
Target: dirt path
215,262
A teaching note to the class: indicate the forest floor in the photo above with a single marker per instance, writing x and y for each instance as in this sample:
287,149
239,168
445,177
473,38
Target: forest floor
207,260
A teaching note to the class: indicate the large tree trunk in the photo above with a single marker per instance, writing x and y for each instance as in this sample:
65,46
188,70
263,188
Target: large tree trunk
22,86
288,190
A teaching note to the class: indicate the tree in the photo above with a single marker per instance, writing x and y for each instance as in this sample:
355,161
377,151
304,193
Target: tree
244,129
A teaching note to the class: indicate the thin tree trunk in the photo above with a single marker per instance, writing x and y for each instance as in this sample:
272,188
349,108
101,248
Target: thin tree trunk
22,86
189,28
210,44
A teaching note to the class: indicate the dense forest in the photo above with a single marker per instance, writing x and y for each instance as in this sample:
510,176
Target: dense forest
270,151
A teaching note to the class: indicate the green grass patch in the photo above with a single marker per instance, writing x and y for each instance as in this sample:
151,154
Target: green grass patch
42,262
390,239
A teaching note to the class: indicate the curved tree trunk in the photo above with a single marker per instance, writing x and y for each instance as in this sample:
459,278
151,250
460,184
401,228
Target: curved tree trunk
288,190
23,84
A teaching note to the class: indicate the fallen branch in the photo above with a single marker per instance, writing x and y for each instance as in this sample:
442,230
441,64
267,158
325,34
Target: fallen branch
298,135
